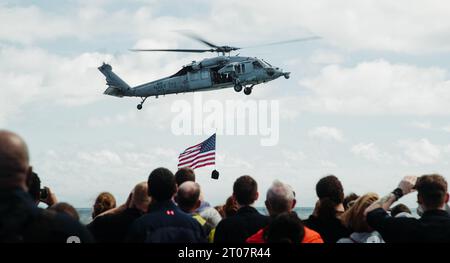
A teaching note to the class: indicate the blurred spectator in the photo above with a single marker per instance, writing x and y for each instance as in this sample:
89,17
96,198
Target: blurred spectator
113,226
65,208
400,209
164,222
20,219
248,220
433,226
349,200
280,199
325,218
286,227
355,221
104,202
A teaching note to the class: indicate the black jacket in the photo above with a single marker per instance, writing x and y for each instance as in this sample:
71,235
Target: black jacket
166,223
22,221
330,229
238,228
113,228
433,226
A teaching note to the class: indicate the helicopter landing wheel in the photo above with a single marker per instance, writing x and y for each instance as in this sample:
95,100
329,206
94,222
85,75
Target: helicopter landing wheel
238,87
248,91
139,106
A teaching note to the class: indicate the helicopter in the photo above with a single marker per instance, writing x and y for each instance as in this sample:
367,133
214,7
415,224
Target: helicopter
223,71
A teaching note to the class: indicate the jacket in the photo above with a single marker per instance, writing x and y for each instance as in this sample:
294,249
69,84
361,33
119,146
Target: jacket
311,236
166,223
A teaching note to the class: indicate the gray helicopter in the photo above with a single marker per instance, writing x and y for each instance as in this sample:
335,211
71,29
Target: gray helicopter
223,71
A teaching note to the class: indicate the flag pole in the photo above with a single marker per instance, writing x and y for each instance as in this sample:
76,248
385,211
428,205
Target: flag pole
215,173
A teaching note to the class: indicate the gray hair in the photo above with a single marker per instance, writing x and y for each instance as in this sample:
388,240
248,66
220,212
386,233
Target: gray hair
280,197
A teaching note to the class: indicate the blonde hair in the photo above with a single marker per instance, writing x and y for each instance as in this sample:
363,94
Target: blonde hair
354,218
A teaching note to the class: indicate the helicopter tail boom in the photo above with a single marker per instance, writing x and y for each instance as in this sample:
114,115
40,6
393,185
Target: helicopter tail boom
116,86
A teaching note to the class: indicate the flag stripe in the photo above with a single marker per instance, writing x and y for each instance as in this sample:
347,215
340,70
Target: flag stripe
190,151
202,165
189,155
197,161
183,162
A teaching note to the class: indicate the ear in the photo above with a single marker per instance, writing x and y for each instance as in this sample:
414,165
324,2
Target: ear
267,204
446,197
294,202
257,196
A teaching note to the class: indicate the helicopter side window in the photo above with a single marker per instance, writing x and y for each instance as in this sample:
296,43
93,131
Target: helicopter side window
243,68
256,64
205,74
194,75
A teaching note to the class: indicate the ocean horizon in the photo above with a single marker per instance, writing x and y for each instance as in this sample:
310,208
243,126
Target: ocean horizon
303,212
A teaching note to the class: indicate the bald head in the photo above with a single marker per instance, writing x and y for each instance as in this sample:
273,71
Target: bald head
140,198
188,196
14,160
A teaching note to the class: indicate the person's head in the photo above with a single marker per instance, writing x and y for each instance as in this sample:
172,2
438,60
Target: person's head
161,185
354,218
280,198
432,192
230,208
66,209
34,187
14,161
220,209
139,197
245,190
400,208
104,202
331,194
285,228
188,196
349,200
184,174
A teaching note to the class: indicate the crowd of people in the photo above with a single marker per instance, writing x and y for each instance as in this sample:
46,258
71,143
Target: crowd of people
171,208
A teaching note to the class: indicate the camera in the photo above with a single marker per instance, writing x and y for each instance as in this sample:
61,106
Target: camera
43,193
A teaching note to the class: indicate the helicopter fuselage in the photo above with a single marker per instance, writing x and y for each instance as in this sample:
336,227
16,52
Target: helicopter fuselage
209,74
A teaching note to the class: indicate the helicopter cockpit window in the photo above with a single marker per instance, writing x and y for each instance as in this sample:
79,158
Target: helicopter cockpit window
257,64
237,68
243,68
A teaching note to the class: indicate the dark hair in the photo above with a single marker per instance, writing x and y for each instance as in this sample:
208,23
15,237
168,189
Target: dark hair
66,209
400,208
349,200
161,184
432,189
285,228
184,174
34,186
245,190
331,193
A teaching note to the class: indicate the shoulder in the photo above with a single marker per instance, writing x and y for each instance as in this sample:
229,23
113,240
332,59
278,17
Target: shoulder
311,236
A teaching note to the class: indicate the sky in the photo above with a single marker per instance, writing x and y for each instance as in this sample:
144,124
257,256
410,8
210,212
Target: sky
368,101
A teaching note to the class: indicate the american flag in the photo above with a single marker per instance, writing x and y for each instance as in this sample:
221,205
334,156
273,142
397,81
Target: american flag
200,155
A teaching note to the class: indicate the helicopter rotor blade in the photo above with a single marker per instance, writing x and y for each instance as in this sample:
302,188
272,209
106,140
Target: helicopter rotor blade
286,42
174,50
199,39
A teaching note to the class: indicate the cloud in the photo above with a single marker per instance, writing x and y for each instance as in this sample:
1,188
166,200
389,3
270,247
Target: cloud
370,152
378,87
422,125
421,152
326,133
